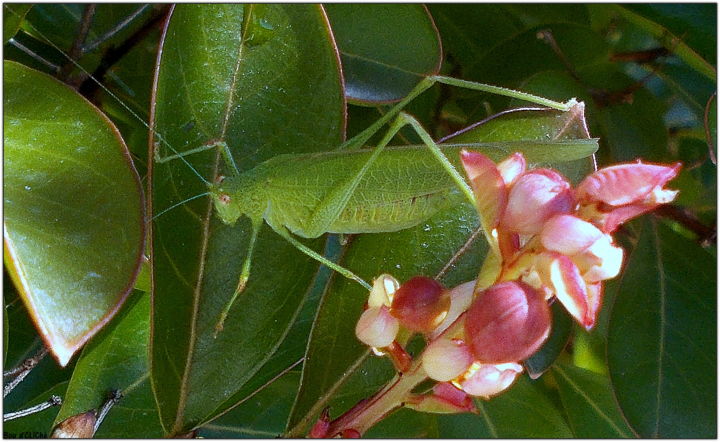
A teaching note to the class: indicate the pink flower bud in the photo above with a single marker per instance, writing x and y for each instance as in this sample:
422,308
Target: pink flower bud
446,359
383,290
321,427
507,322
377,327
534,198
486,380
420,304
568,234
614,195
488,186
626,183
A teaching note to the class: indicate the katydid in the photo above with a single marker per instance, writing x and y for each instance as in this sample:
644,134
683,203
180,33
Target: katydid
357,192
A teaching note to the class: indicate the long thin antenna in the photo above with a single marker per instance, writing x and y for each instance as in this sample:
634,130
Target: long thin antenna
109,92
180,204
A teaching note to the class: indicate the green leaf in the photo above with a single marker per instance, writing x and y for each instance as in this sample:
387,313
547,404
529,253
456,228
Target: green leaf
524,411
589,404
386,49
334,354
275,89
74,220
13,15
261,416
116,359
662,338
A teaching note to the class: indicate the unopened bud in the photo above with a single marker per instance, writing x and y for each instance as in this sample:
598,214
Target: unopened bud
80,426
420,304
446,359
508,322
377,327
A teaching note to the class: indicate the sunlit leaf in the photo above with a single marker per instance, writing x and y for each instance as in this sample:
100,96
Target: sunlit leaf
74,219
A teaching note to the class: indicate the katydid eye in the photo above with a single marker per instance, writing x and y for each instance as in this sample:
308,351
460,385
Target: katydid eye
224,198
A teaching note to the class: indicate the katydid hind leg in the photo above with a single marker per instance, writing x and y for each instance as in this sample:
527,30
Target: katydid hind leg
244,276
282,231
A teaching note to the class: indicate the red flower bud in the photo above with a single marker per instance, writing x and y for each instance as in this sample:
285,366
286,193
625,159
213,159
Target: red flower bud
508,322
420,304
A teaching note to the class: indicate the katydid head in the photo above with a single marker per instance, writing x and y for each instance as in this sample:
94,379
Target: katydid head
226,204
236,196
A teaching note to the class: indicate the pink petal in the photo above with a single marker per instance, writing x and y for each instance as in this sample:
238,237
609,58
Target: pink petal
568,234
512,167
569,287
595,294
488,380
488,186
534,198
446,359
625,183
377,327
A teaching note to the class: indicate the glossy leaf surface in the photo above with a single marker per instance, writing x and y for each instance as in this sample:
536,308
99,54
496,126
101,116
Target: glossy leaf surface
73,197
116,359
588,401
662,337
386,49
266,80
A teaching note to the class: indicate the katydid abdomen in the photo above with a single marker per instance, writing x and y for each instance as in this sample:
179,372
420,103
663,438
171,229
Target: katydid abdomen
402,188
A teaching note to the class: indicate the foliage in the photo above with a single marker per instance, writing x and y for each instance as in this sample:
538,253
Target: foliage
275,79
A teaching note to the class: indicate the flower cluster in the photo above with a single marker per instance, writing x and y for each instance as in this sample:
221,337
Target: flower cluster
549,241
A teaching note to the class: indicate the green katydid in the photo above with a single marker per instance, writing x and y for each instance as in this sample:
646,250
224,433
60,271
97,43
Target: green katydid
360,191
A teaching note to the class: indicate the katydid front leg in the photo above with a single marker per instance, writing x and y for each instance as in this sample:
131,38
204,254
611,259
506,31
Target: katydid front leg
244,276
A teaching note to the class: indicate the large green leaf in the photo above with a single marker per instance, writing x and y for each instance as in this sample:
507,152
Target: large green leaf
334,355
588,401
266,80
74,220
662,338
386,49
117,359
